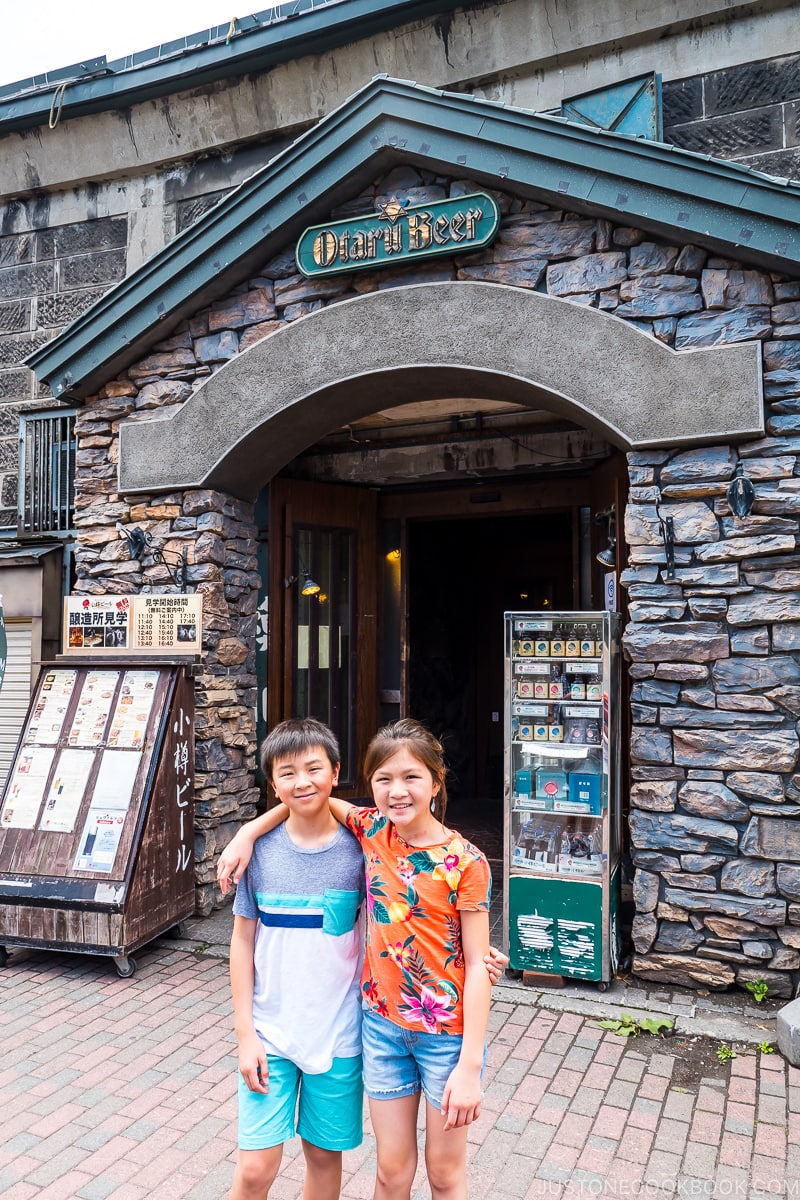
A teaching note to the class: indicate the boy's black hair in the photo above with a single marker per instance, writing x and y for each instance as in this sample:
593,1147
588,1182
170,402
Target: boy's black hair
292,737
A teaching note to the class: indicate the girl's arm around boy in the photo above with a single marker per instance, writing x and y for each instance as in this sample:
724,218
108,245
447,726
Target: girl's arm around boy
236,855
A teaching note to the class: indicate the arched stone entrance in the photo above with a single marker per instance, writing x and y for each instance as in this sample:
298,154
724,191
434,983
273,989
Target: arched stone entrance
429,341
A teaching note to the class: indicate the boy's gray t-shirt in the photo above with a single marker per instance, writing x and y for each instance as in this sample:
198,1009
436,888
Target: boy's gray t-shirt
309,946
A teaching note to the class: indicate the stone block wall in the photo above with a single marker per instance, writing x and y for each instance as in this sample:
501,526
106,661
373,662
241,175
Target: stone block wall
712,652
715,797
60,252
748,113
715,800
47,278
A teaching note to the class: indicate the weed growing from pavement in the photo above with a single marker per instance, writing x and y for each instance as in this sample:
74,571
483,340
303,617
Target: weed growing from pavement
726,1053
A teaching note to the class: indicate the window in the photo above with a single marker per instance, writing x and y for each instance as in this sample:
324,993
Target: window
324,684
46,473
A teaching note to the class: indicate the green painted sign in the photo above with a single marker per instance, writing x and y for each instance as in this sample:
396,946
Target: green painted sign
556,925
399,233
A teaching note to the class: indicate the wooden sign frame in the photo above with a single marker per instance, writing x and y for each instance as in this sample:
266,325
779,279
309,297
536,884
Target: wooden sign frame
103,861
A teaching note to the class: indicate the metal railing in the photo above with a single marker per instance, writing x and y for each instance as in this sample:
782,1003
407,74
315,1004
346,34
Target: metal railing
46,491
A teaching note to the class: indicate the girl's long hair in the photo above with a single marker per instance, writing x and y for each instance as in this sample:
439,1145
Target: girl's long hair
410,735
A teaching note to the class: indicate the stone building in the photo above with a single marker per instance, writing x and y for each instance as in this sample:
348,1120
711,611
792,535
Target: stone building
433,440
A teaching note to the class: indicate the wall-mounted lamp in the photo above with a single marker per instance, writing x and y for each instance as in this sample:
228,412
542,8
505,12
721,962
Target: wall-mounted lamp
668,534
309,588
740,493
140,543
608,556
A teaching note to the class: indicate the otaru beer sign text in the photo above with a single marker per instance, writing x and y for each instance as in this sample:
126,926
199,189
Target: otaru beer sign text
399,232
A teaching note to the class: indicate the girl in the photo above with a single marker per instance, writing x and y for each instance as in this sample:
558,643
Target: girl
425,988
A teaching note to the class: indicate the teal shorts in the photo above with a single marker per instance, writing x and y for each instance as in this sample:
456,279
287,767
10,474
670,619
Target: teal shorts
328,1106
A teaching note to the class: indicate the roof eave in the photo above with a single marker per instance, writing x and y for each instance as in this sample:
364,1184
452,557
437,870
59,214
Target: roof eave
715,204
165,71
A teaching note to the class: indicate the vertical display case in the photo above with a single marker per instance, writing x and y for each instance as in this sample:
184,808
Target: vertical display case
562,805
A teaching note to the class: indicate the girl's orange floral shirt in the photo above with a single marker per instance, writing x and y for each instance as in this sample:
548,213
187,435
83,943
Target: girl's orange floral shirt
414,967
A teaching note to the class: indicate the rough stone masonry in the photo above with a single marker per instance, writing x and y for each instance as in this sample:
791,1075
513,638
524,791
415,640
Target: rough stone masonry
714,831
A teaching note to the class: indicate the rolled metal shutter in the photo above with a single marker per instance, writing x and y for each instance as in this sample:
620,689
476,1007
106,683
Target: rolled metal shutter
15,693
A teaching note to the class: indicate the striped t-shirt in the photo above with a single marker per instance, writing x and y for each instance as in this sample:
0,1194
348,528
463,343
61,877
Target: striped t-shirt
309,946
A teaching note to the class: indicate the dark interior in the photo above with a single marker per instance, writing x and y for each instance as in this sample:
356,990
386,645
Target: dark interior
463,575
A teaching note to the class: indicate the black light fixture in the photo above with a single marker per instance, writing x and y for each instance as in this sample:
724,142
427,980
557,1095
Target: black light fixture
140,543
668,534
608,556
740,493
309,588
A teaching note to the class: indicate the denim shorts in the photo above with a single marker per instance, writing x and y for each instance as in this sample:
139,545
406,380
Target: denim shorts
401,1062
329,1106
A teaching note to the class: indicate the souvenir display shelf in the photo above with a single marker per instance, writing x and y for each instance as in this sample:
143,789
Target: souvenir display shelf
561,804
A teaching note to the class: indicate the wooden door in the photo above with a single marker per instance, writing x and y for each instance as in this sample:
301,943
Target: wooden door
609,490
322,647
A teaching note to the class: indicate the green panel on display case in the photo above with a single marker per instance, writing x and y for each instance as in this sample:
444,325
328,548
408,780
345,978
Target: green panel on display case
556,926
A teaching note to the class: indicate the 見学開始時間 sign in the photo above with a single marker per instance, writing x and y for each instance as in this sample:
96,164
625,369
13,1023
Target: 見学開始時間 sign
139,624
399,232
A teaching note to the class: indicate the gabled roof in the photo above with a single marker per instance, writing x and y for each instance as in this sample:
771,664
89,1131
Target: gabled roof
668,192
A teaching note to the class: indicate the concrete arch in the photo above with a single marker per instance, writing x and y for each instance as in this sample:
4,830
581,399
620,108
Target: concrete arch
428,341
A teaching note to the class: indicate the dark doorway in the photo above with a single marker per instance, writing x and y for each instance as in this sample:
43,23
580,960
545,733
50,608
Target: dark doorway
463,575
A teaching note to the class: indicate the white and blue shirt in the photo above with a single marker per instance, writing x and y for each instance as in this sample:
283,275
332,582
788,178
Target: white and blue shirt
309,946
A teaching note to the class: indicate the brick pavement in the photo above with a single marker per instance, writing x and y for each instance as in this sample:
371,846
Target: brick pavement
126,1089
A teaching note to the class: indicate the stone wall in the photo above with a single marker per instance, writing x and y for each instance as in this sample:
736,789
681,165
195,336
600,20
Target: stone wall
219,535
716,676
60,253
715,800
748,113
714,829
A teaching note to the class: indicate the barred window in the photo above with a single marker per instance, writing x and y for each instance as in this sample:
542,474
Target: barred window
46,473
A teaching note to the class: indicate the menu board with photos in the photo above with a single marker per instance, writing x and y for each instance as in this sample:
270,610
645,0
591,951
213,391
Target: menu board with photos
91,716
96,825
26,786
47,718
129,722
110,626
81,755
66,790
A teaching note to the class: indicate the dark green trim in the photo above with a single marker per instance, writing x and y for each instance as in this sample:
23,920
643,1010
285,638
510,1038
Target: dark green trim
203,58
668,192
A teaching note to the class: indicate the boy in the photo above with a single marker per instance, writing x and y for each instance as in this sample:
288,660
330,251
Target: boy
295,965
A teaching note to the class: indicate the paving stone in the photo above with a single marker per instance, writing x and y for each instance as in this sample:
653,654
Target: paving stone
671,1136
621,1094
699,1160
679,1105
599,1112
